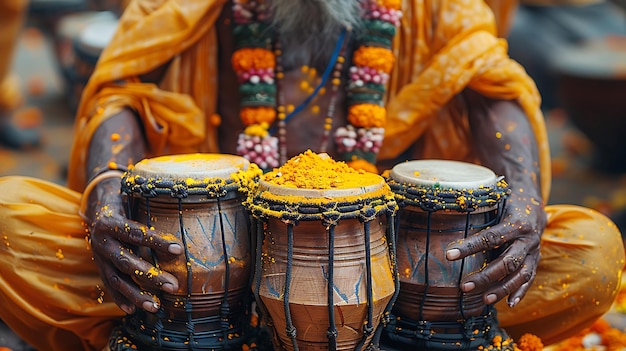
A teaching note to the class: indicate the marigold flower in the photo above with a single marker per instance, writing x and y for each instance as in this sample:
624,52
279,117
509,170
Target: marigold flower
390,4
246,59
360,164
256,115
215,120
260,130
374,57
367,116
529,342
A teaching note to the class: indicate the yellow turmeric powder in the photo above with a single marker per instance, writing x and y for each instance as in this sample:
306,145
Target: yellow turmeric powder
319,171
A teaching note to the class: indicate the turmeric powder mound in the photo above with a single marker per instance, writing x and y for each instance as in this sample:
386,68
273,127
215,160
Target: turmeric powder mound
319,171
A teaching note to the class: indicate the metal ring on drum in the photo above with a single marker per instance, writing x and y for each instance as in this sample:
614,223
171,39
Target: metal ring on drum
196,199
441,202
325,277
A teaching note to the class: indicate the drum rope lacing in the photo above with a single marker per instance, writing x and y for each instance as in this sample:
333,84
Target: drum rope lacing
215,189
437,197
470,335
330,213
472,331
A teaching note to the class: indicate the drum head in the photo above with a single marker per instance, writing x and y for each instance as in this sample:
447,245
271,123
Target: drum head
317,176
95,37
603,58
70,26
195,167
443,173
372,185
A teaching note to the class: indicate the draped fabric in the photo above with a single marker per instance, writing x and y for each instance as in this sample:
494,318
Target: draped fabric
150,34
440,51
50,291
504,11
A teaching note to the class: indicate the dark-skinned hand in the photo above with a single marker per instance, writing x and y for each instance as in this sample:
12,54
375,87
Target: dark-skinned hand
517,237
115,241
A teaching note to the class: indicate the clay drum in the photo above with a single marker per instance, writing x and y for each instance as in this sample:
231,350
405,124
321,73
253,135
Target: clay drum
324,276
441,202
196,199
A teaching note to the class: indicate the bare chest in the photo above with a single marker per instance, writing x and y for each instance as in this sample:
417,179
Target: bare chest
304,129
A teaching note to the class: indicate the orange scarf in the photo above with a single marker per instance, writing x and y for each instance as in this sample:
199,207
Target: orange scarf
440,50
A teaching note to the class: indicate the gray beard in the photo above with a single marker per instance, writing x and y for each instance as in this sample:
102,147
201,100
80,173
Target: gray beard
309,29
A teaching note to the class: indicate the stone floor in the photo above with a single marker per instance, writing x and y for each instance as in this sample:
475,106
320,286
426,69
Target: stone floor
576,181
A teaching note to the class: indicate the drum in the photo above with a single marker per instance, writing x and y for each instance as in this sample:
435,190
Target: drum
196,199
441,202
76,66
592,86
115,6
324,276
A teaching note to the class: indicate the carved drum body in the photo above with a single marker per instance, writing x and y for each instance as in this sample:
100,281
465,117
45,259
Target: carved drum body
195,199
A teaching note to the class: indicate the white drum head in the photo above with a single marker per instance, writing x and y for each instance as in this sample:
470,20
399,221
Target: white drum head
96,36
195,167
72,25
371,185
443,173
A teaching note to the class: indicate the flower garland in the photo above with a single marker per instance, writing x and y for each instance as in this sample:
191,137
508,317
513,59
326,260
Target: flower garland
256,62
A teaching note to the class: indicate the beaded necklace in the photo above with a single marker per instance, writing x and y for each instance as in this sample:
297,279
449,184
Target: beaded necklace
257,63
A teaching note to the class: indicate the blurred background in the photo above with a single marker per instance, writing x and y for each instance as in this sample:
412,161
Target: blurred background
575,50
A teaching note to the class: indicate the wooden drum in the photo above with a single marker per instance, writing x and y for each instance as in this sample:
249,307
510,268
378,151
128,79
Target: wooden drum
592,86
441,202
78,42
324,276
196,199
88,47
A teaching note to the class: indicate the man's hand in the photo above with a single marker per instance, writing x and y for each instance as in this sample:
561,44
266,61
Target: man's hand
517,237
116,240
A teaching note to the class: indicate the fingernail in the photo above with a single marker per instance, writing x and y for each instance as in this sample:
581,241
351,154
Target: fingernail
469,286
150,306
175,249
514,302
453,254
127,309
491,298
169,288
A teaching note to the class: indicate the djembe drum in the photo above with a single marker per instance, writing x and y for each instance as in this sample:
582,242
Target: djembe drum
441,202
324,277
196,199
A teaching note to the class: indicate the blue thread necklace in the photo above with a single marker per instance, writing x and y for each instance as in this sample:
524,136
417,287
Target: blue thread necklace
334,68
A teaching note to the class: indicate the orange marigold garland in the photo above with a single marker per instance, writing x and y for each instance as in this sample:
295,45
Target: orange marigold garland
372,63
255,64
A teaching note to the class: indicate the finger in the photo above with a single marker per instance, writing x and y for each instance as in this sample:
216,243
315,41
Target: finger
111,283
508,263
514,286
127,294
486,240
142,271
137,234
